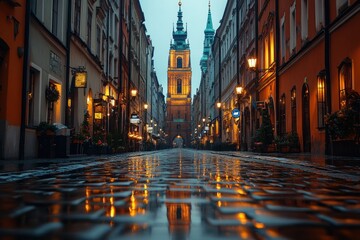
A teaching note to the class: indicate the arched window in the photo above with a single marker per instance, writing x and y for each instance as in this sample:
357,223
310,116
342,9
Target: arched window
179,62
282,115
293,110
345,81
179,87
321,103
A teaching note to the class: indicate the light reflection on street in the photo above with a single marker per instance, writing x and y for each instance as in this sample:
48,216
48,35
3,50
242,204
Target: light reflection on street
183,194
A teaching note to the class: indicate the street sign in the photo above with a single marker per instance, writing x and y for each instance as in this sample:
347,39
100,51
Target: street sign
235,113
134,118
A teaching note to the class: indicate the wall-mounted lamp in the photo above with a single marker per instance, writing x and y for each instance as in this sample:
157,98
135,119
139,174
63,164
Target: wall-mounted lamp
218,104
133,93
252,66
146,106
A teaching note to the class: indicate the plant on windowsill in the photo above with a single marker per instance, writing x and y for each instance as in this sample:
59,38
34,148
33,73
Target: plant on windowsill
343,126
45,128
51,93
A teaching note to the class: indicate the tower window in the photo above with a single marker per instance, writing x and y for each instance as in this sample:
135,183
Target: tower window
179,88
179,62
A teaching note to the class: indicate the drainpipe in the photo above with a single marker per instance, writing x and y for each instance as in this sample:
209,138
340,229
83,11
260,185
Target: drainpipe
277,62
256,55
67,70
127,117
120,75
327,72
24,81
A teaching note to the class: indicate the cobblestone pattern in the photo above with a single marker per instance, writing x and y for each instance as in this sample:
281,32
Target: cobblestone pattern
181,194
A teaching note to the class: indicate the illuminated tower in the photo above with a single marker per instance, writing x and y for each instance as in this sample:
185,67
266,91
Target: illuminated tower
178,119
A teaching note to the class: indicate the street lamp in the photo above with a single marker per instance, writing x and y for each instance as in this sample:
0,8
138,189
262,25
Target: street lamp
145,122
218,105
239,93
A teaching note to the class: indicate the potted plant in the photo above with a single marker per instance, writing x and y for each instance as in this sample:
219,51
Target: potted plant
343,126
51,93
264,136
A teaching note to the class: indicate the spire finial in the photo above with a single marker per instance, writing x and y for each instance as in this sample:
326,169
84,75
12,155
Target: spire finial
209,5
180,3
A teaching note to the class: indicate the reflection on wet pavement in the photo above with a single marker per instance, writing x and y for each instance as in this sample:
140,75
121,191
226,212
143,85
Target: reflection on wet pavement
182,194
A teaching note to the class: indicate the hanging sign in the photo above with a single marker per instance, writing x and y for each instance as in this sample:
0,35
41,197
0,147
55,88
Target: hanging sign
80,80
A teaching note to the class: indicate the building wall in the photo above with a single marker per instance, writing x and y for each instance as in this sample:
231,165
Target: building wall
11,75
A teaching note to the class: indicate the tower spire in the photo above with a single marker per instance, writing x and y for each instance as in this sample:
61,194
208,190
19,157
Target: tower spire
180,35
209,38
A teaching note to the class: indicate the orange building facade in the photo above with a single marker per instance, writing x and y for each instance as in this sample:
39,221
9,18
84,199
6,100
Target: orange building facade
318,51
12,48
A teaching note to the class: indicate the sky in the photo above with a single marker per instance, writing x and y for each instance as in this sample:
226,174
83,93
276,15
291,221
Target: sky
160,15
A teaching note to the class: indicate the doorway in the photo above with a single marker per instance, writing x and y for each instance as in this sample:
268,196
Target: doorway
178,142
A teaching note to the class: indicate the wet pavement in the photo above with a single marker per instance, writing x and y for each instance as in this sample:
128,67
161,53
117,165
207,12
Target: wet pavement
181,194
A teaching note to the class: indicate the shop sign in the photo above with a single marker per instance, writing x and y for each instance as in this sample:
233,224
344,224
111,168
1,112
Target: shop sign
80,80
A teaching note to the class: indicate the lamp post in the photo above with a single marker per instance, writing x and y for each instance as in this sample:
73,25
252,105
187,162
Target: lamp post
218,105
239,93
145,123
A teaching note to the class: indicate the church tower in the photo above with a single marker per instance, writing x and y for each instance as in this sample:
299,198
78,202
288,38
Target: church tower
178,101
208,41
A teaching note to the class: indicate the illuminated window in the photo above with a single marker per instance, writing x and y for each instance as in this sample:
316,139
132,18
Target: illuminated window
345,81
272,46
321,99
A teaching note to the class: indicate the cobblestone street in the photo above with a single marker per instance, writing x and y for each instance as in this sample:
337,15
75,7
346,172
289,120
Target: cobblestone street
181,194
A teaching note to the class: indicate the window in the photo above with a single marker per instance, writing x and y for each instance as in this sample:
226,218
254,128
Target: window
304,19
293,109
272,46
34,6
292,27
282,115
55,16
319,14
179,90
345,81
321,103
341,5
77,17
282,38
89,21
179,62
98,36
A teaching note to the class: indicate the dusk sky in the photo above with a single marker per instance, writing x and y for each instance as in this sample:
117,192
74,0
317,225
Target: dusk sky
160,15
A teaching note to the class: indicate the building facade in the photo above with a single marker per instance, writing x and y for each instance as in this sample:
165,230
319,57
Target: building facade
178,121
13,47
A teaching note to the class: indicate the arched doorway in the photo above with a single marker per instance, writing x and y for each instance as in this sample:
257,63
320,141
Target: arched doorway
306,118
178,142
